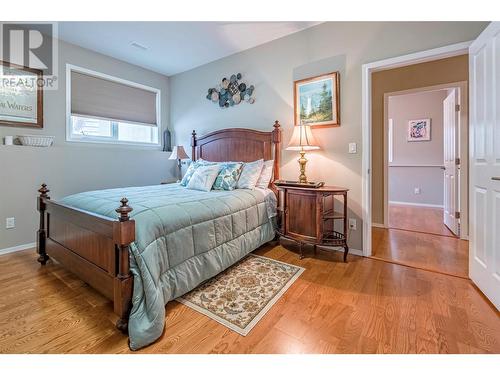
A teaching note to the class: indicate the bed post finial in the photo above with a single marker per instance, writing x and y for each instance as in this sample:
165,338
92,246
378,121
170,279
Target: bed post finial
42,233
43,191
193,145
124,210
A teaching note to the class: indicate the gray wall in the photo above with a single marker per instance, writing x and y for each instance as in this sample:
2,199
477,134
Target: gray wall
273,67
404,180
73,167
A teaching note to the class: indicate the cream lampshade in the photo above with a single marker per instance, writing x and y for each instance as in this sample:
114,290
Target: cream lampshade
302,141
179,154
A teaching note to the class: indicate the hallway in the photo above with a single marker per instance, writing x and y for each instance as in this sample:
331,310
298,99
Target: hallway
448,255
418,219
417,237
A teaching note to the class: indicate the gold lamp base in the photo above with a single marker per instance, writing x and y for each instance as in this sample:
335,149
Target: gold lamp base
302,162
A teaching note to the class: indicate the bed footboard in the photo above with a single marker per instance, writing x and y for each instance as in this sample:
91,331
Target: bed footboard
95,248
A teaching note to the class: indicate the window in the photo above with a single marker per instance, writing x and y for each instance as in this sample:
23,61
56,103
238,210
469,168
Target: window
92,129
105,109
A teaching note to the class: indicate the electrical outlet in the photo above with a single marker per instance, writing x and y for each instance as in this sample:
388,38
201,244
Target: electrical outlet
352,224
10,223
353,148
417,190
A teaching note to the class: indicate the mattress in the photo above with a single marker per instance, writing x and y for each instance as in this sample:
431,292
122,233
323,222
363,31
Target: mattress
183,237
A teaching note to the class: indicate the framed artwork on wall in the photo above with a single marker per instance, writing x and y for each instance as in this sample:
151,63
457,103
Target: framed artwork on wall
419,130
317,100
21,98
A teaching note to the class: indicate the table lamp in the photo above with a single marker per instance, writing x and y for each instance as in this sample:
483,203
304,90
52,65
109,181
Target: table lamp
302,141
179,154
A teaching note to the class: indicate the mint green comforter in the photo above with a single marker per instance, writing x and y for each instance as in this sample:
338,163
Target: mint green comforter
183,237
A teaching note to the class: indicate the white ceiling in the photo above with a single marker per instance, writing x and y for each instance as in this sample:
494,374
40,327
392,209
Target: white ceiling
174,47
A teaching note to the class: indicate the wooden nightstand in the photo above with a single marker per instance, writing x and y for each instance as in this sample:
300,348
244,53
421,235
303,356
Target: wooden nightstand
314,216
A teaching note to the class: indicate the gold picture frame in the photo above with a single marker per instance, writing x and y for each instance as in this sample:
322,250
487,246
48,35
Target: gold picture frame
316,101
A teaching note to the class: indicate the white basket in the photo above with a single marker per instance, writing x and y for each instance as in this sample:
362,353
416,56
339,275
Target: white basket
36,140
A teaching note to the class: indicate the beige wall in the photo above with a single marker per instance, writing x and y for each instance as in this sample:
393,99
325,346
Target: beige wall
73,167
272,68
450,70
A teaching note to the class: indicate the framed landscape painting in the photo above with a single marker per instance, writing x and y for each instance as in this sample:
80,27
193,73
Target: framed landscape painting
21,97
419,130
317,101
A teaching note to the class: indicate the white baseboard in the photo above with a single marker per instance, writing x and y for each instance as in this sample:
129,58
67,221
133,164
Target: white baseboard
377,225
17,248
351,251
356,252
416,204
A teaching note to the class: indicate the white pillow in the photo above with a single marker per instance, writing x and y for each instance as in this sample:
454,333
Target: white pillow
204,177
266,174
250,175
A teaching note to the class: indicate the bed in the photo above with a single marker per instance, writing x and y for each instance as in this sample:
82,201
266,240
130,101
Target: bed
163,240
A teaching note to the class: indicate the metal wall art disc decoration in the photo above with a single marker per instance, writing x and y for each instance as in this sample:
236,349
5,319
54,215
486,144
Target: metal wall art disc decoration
231,92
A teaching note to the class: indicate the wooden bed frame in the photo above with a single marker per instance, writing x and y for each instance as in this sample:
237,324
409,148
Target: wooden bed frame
96,248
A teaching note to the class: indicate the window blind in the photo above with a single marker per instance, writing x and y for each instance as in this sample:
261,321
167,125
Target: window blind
102,98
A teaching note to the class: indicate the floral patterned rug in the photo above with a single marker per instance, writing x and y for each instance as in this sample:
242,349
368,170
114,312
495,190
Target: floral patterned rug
240,296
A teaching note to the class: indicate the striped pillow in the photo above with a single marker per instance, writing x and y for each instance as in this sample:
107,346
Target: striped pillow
266,174
250,175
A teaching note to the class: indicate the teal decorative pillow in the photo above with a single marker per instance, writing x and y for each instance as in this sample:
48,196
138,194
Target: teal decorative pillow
192,168
228,176
189,173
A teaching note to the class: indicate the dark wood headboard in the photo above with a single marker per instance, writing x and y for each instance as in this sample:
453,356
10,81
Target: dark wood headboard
237,144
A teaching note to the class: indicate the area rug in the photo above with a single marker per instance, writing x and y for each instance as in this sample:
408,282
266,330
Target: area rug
241,295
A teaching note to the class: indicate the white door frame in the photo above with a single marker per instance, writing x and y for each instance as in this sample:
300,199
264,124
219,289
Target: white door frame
366,121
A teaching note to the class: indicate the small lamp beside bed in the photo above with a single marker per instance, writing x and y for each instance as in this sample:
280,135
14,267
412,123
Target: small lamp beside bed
179,154
302,141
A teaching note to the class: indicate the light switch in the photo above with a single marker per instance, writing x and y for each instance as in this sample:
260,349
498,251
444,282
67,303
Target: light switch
10,223
353,148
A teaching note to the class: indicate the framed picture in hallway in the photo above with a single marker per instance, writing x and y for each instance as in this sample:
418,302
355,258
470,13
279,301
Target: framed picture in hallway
419,130
317,100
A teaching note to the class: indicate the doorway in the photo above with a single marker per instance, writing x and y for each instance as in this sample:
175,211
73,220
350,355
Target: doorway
432,70
422,179
484,165
422,165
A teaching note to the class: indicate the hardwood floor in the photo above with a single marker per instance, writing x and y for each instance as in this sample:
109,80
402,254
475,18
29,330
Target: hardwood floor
364,306
420,219
427,251
417,237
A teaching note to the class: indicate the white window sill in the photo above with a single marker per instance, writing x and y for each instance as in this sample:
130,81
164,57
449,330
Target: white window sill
102,142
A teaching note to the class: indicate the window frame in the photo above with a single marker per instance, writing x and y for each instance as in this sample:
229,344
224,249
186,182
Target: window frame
70,137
